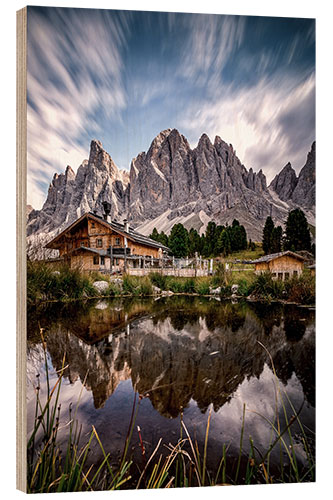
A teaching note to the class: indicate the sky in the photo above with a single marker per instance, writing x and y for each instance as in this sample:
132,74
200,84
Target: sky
123,76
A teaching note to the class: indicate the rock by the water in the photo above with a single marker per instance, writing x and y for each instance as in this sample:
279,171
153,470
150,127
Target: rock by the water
101,286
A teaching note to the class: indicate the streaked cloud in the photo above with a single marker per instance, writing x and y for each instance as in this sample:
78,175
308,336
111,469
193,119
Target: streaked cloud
122,77
74,76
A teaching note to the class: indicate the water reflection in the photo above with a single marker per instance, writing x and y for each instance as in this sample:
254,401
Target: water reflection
175,350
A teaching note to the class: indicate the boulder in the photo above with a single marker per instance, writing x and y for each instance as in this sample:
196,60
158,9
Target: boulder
234,289
215,291
101,286
156,290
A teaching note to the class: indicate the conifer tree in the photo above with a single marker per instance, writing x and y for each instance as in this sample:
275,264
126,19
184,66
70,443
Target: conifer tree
178,241
276,240
297,233
154,235
267,235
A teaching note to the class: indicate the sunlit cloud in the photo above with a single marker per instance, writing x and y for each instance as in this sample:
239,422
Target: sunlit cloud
268,124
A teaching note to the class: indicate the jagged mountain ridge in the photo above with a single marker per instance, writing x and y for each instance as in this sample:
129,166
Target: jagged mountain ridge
300,190
173,183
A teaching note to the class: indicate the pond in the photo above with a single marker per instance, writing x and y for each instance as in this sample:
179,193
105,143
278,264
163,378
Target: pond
179,358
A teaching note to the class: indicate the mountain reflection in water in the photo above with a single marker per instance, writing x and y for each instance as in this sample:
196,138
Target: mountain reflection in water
181,353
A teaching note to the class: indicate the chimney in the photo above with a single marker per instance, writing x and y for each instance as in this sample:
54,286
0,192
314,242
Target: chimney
107,210
126,225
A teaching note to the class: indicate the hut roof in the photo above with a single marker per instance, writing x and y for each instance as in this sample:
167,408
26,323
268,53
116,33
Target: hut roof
116,226
273,256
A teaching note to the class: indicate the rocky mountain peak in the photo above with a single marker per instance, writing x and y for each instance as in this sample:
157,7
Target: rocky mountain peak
299,190
158,141
305,191
172,183
204,142
69,173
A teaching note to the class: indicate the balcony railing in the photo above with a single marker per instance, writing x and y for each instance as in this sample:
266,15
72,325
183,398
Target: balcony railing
119,251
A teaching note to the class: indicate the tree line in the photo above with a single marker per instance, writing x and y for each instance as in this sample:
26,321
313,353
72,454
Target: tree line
224,240
295,237
217,240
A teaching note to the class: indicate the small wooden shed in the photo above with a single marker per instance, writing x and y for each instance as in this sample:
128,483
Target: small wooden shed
282,265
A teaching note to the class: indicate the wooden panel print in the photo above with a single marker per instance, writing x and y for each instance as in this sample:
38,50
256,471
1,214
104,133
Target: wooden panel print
166,250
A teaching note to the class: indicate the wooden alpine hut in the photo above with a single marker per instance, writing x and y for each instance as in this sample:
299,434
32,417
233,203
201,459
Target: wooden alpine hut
95,243
282,265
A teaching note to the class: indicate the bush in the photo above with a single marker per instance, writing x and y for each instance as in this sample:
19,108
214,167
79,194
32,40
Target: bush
158,280
225,291
175,285
243,287
47,283
113,290
202,286
220,275
189,285
301,290
146,286
266,288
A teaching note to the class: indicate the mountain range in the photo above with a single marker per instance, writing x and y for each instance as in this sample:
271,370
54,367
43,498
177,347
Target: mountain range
173,183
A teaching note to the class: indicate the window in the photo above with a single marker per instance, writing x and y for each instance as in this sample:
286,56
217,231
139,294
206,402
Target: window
273,275
117,242
102,260
99,242
93,225
295,273
96,260
280,276
82,244
117,262
286,276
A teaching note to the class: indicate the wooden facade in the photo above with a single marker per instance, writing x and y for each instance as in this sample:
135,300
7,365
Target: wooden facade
282,266
93,243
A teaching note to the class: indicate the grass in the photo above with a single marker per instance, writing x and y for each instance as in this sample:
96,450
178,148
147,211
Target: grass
47,284
182,464
48,469
300,290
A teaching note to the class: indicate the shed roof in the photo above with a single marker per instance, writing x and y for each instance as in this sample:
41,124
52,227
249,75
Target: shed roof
273,256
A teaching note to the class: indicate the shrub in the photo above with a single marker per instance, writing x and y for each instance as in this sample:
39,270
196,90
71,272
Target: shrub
225,291
301,290
266,288
113,290
176,285
189,285
202,286
146,286
220,276
243,287
159,280
47,283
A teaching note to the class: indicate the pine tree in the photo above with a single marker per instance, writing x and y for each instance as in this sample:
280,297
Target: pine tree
297,231
178,241
276,240
154,235
163,238
193,242
210,238
267,235
224,243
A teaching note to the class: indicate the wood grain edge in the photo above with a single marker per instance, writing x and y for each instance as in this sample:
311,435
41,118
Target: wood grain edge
21,196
